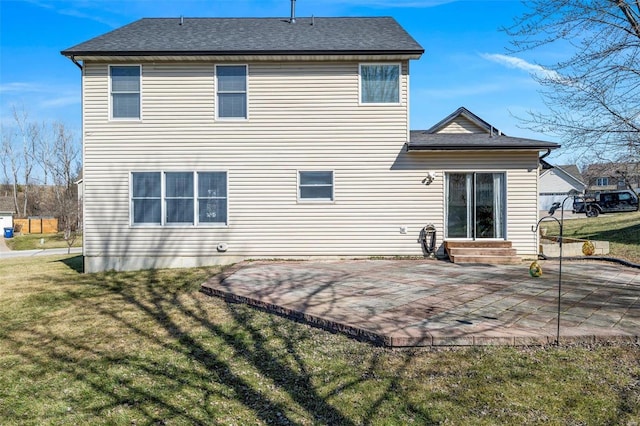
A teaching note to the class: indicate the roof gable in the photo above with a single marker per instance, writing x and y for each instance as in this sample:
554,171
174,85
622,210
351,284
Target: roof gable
464,131
570,173
572,170
463,121
260,36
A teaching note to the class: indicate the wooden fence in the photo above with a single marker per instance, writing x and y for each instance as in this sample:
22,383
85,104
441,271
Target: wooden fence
36,225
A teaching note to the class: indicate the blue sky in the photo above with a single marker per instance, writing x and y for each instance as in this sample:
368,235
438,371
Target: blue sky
465,63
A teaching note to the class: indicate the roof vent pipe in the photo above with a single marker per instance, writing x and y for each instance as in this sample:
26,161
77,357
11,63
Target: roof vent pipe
293,12
181,19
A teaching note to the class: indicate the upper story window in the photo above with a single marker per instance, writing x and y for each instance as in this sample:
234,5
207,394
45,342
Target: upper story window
602,181
231,91
379,83
315,186
125,91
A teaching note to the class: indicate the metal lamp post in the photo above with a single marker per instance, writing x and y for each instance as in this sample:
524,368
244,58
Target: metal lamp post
571,194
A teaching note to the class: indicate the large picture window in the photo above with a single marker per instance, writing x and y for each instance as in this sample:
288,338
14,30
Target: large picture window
316,185
232,91
125,92
379,83
179,198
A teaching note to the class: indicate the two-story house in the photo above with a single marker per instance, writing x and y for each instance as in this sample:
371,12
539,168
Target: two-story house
207,141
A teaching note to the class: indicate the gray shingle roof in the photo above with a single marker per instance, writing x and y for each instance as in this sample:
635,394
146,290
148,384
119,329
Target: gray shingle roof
572,170
423,141
6,205
490,139
231,36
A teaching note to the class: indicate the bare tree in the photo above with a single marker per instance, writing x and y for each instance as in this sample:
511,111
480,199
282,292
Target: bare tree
63,165
592,94
20,145
10,166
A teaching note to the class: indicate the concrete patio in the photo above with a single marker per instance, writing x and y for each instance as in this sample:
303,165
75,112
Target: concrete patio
427,302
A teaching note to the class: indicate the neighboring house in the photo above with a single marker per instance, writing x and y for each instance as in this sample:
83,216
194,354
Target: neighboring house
7,210
208,141
556,181
611,176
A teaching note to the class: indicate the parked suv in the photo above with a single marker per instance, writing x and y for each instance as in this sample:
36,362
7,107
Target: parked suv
606,202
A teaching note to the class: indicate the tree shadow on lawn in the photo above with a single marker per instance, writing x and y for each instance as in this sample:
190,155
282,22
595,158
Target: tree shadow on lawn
626,235
157,350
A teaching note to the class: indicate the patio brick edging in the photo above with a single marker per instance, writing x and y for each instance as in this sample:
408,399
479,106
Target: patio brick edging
398,341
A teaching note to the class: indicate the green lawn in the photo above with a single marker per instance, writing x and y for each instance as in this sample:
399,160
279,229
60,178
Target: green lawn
622,230
149,348
40,241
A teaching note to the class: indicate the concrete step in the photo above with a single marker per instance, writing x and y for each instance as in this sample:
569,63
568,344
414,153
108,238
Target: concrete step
479,251
492,260
491,252
479,243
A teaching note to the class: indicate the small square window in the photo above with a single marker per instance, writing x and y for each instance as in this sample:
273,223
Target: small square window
380,84
316,185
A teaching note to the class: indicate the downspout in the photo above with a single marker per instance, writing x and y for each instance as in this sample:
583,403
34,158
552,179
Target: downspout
545,155
78,64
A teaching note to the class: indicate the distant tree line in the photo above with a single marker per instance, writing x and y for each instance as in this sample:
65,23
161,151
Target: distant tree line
41,163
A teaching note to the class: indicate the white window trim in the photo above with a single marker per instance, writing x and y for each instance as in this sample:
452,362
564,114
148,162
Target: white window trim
111,117
166,198
317,200
399,65
196,207
131,218
445,195
163,209
215,92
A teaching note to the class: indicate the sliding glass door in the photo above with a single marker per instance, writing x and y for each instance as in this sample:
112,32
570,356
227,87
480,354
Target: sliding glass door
475,205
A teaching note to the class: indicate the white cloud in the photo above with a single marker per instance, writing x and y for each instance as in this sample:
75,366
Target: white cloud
18,87
462,91
393,3
94,11
521,64
60,101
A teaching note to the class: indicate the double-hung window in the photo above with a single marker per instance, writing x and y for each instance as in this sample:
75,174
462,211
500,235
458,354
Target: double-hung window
231,91
146,191
179,198
380,83
315,186
212,197
602,181
125,91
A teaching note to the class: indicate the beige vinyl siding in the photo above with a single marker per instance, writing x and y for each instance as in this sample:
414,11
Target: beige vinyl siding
302,116
521,173
462,125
